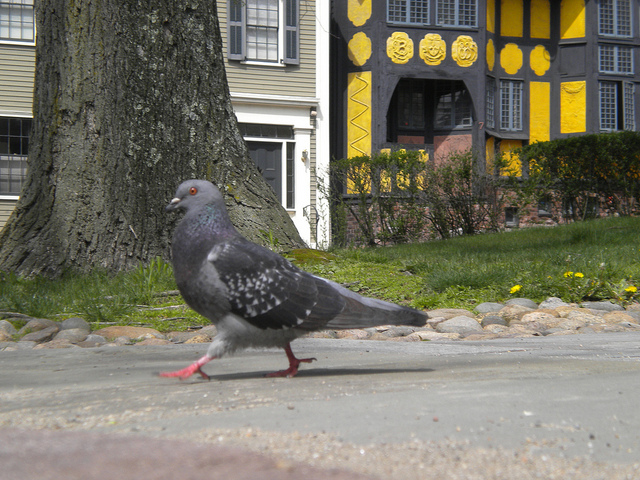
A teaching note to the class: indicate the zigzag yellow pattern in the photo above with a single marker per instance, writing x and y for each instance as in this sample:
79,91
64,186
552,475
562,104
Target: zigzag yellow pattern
359,114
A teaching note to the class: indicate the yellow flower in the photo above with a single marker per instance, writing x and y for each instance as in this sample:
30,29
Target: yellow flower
579,275
515,289
568,274
631,289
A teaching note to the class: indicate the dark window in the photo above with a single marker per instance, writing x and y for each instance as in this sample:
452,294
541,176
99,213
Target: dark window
617,106
14,148
453,105
511,105
457,13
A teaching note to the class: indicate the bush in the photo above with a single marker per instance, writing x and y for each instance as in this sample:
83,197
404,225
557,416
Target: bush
587,174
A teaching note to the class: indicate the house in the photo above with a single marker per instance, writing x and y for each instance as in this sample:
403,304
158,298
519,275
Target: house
17,66
277,65
444,75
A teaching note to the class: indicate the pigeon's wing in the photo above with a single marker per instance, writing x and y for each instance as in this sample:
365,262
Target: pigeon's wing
269,292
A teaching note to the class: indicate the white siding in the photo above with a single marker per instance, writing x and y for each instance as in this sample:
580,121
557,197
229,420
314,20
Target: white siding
17,70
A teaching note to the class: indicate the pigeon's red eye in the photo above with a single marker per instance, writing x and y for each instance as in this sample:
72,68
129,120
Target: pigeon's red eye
193,190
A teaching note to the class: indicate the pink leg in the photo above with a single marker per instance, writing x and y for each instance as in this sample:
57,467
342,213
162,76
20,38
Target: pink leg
191,369
294,363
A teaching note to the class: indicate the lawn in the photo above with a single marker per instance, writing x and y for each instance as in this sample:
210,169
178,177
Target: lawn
592,260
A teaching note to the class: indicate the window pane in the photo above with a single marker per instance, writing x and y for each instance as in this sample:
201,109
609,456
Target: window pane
17,20
511,105
629,106
490,103
397,11
608,101
262,30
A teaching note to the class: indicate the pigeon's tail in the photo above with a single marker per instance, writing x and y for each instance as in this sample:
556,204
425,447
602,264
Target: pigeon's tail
365,312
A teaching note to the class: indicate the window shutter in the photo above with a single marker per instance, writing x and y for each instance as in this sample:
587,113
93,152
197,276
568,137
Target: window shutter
235,30
291,33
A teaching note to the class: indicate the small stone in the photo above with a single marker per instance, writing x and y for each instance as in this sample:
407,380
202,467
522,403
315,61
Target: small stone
40,336
154,341
619,317
449,313
398,331
607,306
198,338
513,313
181,337
55,343
7,327
493,320
14,346
489,307
322,334
496,328
553,302
122,341
353,334
210,330
5,337
37,324
583,315
543,318
480,336
111,333
572,324
75,322
523,302
72,335
460,324
433,321
92,340
427,335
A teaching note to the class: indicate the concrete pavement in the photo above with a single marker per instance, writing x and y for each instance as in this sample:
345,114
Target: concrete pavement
567,396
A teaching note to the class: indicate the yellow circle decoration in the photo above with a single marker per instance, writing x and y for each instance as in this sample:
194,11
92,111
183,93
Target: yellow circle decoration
491,55
433,49
399,47
540,60
359,49
511,58
464,51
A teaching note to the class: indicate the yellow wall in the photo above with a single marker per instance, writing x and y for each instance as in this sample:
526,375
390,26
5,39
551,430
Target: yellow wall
511,22
539,111
491,16
540,19
359,114
572,19
573,107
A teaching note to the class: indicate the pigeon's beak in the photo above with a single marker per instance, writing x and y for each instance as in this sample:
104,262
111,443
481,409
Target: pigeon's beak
173,205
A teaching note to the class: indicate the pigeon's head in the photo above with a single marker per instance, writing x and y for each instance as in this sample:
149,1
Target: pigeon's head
193,194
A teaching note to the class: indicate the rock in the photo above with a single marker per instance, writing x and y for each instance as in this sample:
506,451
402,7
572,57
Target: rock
322,334
72,335
210,330
55,343
460,324
92,340
429,335
37,324
496,328
75,323
354,334
154,341
181,337
553,302
199,338
111,333
619,317
13,346
397,331
5,337
513,313
493,320
433,321
607,306
572,324
40,336
122,341
543,318
583,315
489,307
7,327
523,302
480,336
449,313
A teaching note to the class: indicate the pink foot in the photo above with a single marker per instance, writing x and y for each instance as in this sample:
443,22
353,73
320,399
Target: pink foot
195,367
294,363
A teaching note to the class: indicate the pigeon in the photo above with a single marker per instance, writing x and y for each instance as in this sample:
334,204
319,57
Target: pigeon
254,296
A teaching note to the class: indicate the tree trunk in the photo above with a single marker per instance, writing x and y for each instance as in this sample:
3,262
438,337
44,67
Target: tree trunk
131,98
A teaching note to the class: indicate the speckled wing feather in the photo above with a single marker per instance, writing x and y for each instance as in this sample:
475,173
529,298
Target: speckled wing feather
268,291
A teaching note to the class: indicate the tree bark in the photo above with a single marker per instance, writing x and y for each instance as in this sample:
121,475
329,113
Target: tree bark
131,98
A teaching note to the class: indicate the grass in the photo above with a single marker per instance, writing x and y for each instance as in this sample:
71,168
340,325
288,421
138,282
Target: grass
593,260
